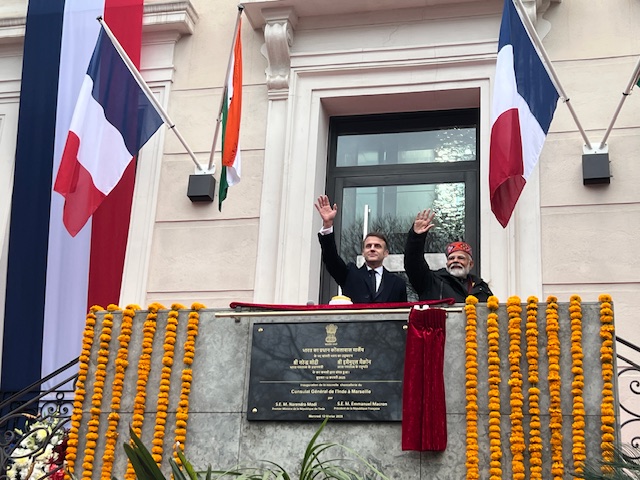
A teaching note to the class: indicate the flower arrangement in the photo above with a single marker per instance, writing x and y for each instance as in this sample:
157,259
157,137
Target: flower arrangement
165,383
80,393
555,407
182,412
579,449
40,450
535,441
122,363
493,341
144,368
471,376
98,390
606,358
516,399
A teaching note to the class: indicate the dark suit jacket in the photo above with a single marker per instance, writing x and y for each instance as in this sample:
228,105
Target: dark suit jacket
355,281
438,284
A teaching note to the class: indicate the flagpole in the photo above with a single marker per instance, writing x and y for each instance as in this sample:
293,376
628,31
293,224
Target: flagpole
147,91
625,94
549,67
222,100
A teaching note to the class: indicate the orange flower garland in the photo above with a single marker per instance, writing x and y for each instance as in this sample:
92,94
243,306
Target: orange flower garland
182,413
607,410
144,368
535,441
579,450
98,388
471,375
493,340
80,392
122,363
555,407
516,398
165,383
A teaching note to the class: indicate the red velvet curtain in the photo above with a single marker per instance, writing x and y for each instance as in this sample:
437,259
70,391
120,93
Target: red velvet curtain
424,410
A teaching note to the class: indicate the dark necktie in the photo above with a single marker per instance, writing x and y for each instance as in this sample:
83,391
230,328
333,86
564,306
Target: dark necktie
372,280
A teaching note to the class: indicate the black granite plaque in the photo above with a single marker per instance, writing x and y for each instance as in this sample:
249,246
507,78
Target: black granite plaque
349,371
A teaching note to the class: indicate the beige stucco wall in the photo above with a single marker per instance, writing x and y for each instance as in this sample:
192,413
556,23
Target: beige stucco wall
565,238
589,233
211,254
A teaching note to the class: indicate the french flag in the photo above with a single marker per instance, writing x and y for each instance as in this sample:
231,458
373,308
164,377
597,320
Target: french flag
524,101
112,120
52,277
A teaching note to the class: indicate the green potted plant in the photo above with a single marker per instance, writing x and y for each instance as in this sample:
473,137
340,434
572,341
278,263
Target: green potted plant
625,465
312,466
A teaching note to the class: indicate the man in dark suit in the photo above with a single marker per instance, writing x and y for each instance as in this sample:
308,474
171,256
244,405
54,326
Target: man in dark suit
455,280
371,283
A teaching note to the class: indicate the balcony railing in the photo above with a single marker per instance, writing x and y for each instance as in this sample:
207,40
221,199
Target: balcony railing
33,424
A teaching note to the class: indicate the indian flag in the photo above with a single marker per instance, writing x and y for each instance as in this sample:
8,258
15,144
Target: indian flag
231,109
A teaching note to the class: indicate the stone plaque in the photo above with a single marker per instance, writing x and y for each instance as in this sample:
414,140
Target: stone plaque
349,371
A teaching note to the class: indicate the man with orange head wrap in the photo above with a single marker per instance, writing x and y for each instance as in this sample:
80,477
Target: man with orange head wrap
455,280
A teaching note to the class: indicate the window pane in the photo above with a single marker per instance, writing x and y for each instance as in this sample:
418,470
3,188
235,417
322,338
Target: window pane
439,145
392,209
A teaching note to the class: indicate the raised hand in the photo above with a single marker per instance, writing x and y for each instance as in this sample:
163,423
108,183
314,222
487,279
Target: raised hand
424,221
326,211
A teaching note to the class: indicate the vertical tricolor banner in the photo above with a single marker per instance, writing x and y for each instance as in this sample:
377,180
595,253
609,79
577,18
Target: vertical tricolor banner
524,101
231,112
53,276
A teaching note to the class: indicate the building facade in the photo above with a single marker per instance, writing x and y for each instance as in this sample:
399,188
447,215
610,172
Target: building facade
308,66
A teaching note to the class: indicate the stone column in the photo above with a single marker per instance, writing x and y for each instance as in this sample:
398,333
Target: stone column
278,36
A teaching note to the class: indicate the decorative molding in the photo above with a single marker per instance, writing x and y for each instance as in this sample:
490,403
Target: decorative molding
179,16
278,37
535,9
12,30
531,9
278,94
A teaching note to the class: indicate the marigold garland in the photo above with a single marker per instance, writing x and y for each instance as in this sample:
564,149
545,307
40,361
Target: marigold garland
471,376
122,363
80,392
165,383
516,399
535,440
607,410
493,341
182,412
579,449
555,407
144,368
517,437
98,389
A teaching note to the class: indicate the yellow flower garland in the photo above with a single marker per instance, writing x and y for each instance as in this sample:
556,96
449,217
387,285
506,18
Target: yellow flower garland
555,407
182,412
471,376
517,439
535,441
80,392
579,449
98,388
516,398
493,341
607,410
144,368
122,363
165,383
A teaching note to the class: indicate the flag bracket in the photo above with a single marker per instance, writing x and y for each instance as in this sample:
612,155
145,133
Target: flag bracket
202,186
596,165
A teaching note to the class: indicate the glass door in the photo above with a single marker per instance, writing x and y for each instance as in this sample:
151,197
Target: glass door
384,169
